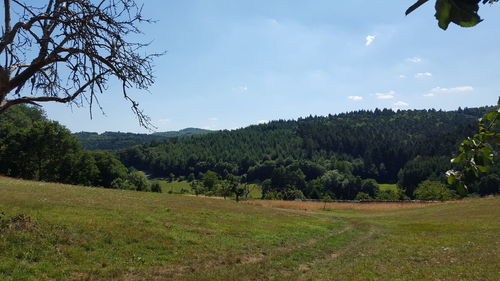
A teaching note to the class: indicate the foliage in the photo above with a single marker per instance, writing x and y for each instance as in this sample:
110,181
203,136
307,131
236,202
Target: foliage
223,188
139,181
461,12
361,196
110,141
477,153
295,155
156,187
210,180
370,187
197,187
422,168
67,51
341,164
433,191
46,151
391,195
240,190
121,183
489,184
272,195
22,116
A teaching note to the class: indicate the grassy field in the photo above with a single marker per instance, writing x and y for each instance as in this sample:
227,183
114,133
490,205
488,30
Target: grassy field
370,206
183,187
175,187
61,232
385,186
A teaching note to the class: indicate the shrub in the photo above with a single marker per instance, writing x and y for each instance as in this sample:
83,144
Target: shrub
361,196
120,183
391,195
294,194
273,195
433,190
489,184
156,187
139,180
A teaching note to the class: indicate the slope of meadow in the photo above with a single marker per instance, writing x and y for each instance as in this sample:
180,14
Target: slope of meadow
62,232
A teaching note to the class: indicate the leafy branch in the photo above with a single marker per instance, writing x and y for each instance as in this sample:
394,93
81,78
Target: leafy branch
461,12
478,152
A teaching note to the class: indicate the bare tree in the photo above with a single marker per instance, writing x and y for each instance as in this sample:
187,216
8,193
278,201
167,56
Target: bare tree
67,51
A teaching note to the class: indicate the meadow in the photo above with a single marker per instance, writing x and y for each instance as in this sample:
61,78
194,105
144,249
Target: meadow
62,232
184,187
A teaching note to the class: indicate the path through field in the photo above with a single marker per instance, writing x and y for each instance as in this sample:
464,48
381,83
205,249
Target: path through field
59,232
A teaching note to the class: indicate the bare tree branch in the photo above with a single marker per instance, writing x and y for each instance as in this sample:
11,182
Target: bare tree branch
69,50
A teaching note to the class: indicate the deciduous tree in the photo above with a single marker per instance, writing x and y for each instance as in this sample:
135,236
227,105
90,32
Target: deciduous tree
67,51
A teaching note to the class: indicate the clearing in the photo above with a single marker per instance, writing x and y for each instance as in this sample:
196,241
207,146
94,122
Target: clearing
61,232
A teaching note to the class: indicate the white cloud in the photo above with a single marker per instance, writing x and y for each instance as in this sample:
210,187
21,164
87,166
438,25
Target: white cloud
263,122
385,96
402,76
241,89
213,119
401,104
423,75
414,60
355,98
455,90
370,39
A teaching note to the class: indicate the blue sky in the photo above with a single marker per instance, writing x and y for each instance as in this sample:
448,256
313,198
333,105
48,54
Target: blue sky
233,63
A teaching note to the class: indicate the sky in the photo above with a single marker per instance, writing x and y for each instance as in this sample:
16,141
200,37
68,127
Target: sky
230,64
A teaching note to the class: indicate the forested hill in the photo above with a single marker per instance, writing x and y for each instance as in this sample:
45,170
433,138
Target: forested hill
118,140
367,144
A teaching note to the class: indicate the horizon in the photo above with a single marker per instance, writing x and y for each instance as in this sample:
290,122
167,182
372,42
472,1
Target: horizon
230,65
283,119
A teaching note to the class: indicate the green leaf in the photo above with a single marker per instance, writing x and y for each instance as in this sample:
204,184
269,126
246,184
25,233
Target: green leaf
451,179
459,159
462,189
464,12
490,115
483,169
461,12
443,12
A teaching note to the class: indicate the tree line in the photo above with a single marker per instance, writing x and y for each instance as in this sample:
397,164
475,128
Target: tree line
32,147
337,156
342,156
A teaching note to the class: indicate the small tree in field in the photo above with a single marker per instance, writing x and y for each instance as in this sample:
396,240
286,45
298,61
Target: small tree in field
223,188
68,50
326,199
240,190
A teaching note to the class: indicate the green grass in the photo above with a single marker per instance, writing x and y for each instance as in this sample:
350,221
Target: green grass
175,187
384,186
61,232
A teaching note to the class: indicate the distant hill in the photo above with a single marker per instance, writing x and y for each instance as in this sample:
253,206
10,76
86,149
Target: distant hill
370,144
110,141
188,132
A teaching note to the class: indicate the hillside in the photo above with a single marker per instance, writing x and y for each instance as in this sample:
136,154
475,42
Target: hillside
344,156
117,140
61,232
363,144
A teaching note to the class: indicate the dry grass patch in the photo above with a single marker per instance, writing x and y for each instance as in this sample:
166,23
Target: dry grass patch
375,206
